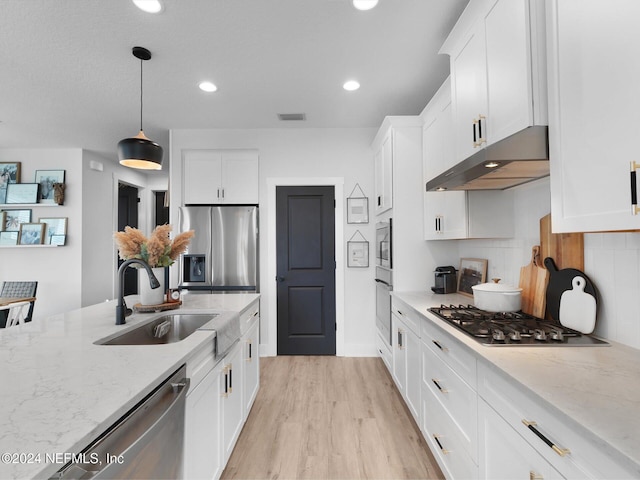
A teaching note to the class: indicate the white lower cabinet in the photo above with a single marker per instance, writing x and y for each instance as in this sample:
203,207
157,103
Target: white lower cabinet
220,397
406,357
231,407
202,458
250,343
504,454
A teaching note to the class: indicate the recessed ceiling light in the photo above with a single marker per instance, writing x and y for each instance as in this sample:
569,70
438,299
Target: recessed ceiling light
365,4
351,85
149,6
207,87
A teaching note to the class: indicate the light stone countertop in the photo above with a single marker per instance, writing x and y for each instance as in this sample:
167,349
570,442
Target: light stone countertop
59,390
596,389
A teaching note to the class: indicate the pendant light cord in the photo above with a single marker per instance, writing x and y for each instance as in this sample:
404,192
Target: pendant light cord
141,94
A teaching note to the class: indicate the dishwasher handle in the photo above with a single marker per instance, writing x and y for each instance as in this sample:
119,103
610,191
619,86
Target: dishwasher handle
116,442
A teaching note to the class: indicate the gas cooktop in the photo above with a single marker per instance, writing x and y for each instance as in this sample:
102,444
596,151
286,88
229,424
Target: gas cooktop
512,328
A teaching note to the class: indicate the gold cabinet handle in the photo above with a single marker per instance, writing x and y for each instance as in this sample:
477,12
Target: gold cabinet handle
532,426
534,476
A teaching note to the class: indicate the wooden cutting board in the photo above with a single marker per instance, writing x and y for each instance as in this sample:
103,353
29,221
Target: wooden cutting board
533,281
566,249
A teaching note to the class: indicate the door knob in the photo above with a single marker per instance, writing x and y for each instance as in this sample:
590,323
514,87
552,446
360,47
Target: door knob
279,278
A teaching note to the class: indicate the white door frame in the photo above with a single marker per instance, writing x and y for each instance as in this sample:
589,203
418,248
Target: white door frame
269,285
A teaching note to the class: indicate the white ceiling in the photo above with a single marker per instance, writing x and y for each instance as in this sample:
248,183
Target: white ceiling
68,78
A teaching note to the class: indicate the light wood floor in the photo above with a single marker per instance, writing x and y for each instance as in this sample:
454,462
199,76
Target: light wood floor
329,418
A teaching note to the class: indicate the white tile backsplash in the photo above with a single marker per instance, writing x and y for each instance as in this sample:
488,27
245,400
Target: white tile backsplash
612,262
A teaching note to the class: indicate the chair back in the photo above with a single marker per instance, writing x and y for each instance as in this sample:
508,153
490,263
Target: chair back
17,313
20,289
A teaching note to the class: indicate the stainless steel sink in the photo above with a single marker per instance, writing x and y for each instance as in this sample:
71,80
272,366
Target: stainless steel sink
164,329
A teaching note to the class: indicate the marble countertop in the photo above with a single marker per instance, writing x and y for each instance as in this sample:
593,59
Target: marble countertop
60,390
595,388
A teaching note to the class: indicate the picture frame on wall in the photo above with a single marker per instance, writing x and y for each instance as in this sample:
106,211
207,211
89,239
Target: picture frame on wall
357,254
357,210
46,179
22,193
13,219
31,233
58,240
9,173
472,272
55,226
8,238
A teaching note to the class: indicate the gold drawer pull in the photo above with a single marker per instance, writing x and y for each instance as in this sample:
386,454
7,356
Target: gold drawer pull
534,476
532,426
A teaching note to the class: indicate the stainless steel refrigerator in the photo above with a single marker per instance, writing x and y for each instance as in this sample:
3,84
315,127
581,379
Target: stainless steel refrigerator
223,254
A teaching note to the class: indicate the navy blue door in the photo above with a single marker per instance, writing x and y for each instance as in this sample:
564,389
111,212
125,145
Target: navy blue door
305,247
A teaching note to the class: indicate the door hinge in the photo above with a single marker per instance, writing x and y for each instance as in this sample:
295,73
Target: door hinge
336,325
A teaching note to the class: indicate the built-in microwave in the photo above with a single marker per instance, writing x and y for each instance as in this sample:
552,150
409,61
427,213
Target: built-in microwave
383,244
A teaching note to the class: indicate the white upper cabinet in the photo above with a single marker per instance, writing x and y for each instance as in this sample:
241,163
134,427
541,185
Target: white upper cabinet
594,64
220,177
498,71
383,160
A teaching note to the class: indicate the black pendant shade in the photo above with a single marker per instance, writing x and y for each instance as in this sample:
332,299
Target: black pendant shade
140,152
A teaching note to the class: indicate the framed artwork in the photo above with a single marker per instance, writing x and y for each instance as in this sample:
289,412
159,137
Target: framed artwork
46,179
22,193
31,233
358,254
13,219
472,272
54,226
3,195
58,239
9,173
8,238
357,210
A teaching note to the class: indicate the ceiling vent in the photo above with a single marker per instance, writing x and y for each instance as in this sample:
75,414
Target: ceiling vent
287,117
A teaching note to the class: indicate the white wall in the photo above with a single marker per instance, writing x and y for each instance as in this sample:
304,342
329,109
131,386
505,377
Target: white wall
612,262
295,154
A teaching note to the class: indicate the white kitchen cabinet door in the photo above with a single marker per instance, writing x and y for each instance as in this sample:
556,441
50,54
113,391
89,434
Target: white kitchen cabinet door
231,400
406,365
240,178
498,71
384,174
203,429
251,372
202,177
214,177
504,454
593,113
516,67
398,344
469,93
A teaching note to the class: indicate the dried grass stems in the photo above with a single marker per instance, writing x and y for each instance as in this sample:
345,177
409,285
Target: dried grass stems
157,251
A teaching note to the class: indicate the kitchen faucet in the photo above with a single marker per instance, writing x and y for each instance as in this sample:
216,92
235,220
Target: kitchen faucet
121,310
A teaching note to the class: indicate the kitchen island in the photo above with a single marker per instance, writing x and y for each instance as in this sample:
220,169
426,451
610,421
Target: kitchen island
60,390
592,391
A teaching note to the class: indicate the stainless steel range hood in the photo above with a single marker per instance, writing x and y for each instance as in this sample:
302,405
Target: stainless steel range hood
520,158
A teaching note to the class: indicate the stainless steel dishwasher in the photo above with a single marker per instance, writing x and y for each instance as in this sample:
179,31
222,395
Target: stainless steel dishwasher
146,443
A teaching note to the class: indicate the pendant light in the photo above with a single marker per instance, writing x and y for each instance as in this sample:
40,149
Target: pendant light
140,152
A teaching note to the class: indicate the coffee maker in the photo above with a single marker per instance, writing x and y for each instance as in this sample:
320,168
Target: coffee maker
445,280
